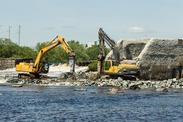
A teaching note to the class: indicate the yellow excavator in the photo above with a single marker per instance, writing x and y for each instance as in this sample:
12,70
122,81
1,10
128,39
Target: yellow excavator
39,67
114,67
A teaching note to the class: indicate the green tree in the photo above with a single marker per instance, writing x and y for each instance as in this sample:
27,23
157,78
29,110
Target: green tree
93,52
24,52
9,49
55,55
58,54
79,50
93,66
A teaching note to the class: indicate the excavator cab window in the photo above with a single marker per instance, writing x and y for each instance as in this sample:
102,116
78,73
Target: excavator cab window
114,63
107,65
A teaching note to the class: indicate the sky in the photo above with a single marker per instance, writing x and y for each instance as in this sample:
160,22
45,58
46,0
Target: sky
79,20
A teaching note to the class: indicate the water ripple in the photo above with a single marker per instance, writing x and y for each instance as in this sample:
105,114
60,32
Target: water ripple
33,103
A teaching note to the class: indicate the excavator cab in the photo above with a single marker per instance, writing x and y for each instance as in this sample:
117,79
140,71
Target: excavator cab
108,64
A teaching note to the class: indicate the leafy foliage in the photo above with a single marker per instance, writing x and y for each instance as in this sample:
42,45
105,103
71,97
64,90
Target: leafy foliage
79,50
93,66
93,52
9,49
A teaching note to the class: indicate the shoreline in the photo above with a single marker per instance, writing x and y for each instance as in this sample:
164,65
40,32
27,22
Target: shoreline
120,84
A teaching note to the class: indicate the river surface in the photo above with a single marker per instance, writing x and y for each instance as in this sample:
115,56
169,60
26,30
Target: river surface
59,104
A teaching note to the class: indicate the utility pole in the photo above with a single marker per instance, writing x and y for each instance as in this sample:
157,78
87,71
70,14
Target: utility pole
19,35
9,32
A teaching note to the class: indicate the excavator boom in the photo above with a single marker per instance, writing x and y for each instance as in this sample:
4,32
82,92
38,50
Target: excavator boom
104,38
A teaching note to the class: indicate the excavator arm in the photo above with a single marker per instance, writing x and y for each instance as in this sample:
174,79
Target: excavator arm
52,44
104,38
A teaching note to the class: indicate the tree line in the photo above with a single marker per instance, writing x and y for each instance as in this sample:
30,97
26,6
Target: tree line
9,49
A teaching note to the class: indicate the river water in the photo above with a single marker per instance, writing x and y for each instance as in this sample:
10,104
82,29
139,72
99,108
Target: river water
59,104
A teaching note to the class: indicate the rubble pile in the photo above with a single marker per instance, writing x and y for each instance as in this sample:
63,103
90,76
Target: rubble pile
141,84
119,83
131,48
160,58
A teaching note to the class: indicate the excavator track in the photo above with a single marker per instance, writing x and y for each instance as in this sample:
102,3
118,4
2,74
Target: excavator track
23,75
29,76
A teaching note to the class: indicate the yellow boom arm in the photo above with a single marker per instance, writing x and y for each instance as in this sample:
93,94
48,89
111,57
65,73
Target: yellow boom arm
52,44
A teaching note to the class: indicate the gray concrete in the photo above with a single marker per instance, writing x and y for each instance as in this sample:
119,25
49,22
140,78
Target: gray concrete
6,63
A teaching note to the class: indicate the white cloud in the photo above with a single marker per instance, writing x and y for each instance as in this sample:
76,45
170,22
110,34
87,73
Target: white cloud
68,27
50,28
136,29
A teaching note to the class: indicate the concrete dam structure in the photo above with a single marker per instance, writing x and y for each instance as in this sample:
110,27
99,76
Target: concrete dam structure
6,63
156,58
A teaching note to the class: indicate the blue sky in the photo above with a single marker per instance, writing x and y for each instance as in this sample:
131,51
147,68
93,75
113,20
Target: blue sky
42,20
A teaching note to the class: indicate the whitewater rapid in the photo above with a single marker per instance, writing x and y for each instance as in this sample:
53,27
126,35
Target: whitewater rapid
54,71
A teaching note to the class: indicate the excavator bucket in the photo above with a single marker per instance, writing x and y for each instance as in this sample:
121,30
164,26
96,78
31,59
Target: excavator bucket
72,62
